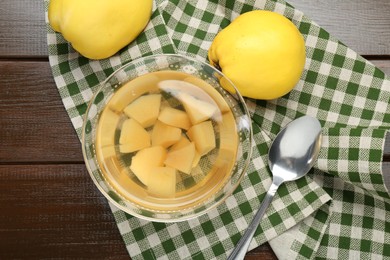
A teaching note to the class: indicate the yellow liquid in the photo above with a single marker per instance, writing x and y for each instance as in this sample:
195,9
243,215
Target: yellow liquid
213,169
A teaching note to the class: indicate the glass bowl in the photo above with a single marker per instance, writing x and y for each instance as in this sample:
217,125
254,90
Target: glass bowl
180,179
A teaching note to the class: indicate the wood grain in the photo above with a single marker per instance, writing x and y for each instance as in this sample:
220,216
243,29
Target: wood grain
22,28
362,25
34,125
55,211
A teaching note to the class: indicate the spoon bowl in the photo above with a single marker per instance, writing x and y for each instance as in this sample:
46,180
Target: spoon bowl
295,149
292,154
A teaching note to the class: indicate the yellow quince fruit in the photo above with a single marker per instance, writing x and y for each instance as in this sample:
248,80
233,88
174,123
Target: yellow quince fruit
98,29
261,52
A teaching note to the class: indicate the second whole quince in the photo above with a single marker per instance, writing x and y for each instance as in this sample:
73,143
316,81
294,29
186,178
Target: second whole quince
261,52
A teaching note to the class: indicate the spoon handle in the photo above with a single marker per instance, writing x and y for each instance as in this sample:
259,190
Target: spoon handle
242,246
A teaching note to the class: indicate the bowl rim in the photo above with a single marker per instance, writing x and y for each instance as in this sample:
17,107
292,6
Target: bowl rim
101,85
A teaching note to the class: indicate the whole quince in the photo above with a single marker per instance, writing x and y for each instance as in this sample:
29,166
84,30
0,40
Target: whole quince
261,52
97,29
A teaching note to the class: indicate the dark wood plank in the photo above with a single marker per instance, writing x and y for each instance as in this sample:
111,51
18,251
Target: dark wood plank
23,29
55,211
34,125
263,252
386,149
386,160
363,25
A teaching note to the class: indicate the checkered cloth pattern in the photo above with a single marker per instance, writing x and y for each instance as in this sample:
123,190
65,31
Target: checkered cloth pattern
341,210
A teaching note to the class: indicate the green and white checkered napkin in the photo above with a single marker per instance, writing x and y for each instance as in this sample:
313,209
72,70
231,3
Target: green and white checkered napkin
340,210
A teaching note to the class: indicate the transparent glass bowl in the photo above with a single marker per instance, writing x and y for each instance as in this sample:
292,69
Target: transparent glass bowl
204,193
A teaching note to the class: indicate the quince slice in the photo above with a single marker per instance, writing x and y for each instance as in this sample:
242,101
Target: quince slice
133,137
174,117
107,125
165,135
162,182
144,109
203,136
145,160
181,158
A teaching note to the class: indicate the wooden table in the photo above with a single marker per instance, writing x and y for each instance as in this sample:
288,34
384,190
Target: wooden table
49,207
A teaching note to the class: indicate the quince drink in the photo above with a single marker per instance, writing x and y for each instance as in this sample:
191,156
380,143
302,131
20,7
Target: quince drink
166,140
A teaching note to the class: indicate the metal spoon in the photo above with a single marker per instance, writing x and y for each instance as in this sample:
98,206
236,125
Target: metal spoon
291,156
